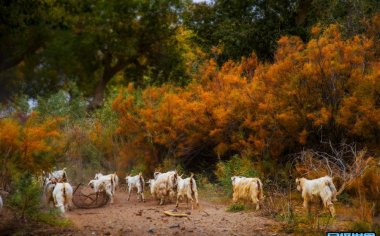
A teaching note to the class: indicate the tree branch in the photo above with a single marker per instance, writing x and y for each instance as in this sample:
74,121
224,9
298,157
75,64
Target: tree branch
344,162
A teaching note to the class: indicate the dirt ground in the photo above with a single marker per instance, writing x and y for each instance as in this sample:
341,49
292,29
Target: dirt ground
137,218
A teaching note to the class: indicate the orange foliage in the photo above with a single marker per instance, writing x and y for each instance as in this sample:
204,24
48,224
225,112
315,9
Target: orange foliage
30,146
329,86
9,133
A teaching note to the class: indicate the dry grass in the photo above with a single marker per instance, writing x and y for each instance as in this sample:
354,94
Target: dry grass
358,217
213,193
353,212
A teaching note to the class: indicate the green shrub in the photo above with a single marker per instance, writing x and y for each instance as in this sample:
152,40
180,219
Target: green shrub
236,207
361,225
345,198
137,169
62,104
235,166
170,164
26,201
26,197
51,217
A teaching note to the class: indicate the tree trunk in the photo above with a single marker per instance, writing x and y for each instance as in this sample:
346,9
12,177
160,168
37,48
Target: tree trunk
302,11
97,101
108,73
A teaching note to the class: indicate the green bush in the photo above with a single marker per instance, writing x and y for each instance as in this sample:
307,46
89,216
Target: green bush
26,197
137,169
361,225
51,217
236,207
235,166
26,201
170,164
62,104
345,198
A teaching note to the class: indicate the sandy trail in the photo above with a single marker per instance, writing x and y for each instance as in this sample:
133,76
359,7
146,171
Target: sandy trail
137,218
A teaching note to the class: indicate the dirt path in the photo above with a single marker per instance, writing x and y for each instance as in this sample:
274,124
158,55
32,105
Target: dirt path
136,218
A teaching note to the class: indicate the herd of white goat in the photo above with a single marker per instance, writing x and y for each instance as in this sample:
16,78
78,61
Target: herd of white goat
169,185
163,187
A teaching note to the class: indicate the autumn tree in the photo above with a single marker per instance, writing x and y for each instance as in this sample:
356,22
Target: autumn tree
325,89
28,145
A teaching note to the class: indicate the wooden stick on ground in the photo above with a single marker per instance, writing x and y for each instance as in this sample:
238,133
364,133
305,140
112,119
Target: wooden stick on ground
170,213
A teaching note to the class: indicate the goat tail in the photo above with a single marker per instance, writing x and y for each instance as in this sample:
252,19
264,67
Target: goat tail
330,185
260,189
116,179
64,177
141,182
192,184
175,181
112,184
64,194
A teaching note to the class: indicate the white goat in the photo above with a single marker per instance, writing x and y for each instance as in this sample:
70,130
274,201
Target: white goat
172,181
59,175
99,185
137,182
165,185
151,183
48,190
187,188
322,188
111,177
49,182
63,195
247,188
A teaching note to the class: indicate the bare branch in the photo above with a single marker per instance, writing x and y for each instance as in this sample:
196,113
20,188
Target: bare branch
343,162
